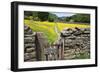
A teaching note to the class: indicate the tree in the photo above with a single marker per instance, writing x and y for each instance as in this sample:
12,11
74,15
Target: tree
43,16
68,19
35,15
27,14
52,17
83,18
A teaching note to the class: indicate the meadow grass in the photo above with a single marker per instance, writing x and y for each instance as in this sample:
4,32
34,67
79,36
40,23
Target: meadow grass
48,28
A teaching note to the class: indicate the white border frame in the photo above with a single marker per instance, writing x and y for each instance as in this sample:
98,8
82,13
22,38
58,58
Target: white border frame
22,64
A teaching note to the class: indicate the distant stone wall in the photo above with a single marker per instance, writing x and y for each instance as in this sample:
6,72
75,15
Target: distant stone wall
76,43
29,45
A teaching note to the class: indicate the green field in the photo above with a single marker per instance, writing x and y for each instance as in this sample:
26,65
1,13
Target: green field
51,29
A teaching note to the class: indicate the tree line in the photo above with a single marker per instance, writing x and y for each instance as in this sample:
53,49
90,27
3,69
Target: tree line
47,16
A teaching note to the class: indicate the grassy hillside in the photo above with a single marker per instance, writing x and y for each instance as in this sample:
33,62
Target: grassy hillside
49,28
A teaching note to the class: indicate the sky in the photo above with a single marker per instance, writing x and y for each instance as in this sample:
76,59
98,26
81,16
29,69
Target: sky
63,14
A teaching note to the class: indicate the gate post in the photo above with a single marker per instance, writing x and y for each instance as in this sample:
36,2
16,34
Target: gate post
40,42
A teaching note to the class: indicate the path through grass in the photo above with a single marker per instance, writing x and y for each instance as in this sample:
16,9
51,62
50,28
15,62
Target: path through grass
48,28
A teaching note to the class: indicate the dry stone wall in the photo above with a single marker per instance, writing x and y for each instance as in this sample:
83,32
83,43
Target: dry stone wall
76,43
29,45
